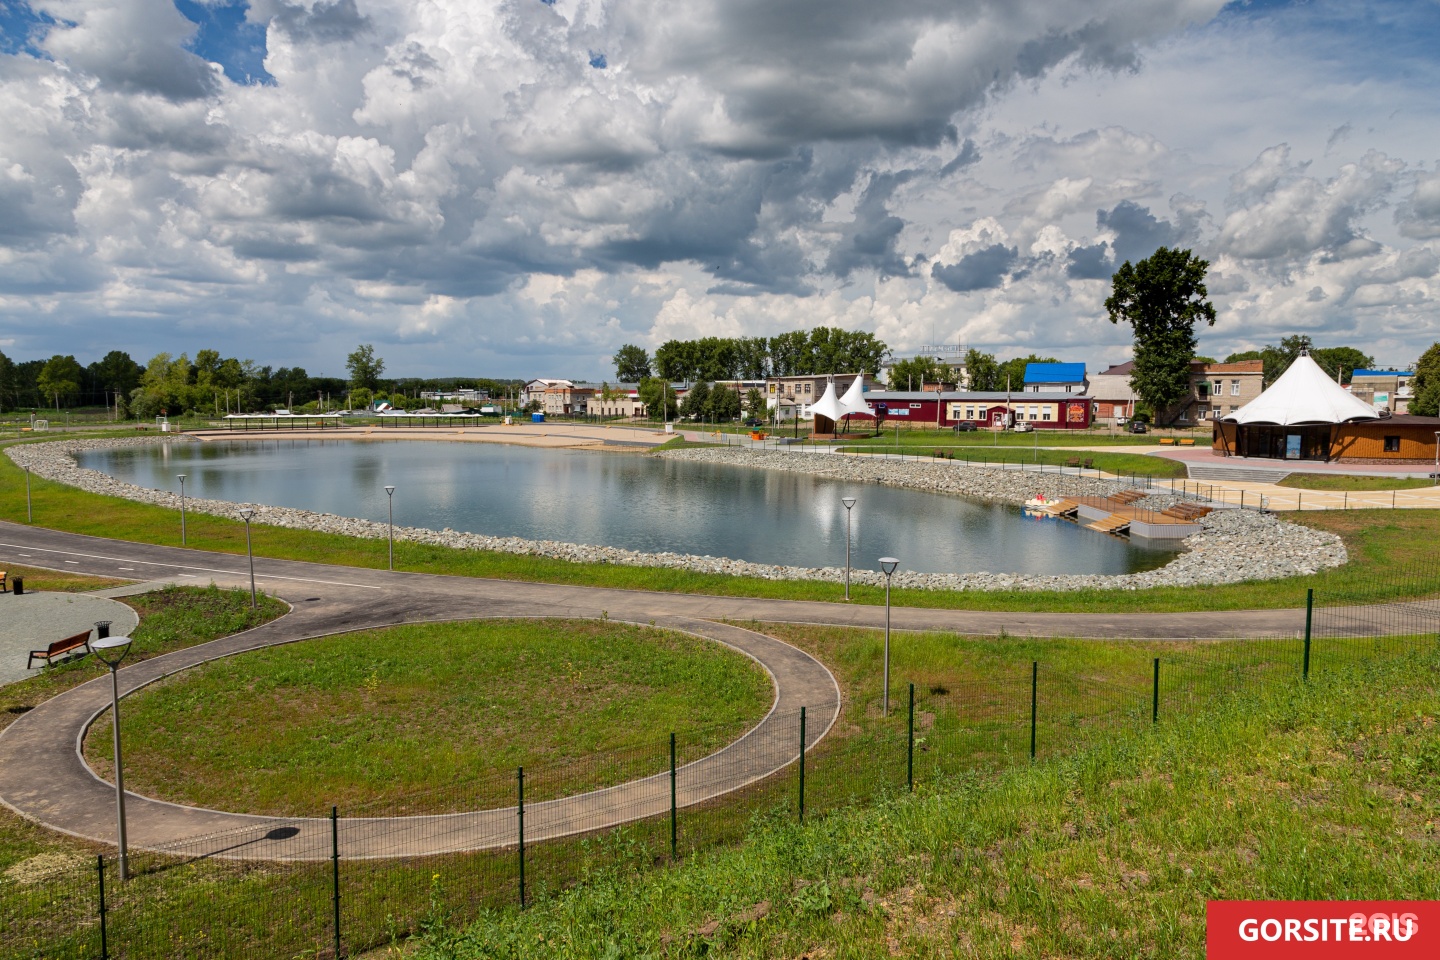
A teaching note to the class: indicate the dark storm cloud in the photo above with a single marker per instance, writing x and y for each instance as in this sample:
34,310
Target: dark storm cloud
869,241
981,270
1089,263
1138,232
336,22
968,156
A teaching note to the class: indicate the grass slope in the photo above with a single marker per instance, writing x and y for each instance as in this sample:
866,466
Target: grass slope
356,718
1340,481
1324,791
1383,545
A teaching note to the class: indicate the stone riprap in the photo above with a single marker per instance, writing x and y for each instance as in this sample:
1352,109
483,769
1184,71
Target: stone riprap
1232,545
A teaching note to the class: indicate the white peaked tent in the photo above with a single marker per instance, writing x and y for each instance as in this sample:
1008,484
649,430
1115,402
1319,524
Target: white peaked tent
854,399
828,406
1304,394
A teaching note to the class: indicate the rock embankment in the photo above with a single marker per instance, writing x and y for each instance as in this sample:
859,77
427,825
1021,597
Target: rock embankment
1233,545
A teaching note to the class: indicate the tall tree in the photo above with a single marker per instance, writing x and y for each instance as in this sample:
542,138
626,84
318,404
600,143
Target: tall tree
914,373
697,401
60,379
1162,298
7,382
1425,385
115,371
658,398
981,371
365,368
632,363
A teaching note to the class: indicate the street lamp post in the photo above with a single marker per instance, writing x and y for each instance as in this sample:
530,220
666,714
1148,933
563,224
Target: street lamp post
111,650
849,503
181,478
1437,465
246,513
29,510
887,564
390,499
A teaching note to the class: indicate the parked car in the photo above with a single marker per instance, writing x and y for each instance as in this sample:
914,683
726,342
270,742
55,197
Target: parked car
1137,426
965,426
1022,426
754,422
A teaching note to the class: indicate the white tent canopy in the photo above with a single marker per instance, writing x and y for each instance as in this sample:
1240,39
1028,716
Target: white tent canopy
829,405
1303,394
854,399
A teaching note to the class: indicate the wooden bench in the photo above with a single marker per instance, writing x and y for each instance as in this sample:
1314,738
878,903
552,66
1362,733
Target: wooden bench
1185,442
1073,462
60,648
1167,441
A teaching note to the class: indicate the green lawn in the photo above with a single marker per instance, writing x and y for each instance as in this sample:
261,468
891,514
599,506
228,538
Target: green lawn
1114,798
1119,464
1341,481
405,712
1385,547
1293,793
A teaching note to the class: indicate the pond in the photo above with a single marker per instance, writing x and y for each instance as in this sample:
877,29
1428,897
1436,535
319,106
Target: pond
632,501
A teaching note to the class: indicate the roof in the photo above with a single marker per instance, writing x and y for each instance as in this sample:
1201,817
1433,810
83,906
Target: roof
1119,370
1054,373
1239,366
1381,373
1304,394
1409,420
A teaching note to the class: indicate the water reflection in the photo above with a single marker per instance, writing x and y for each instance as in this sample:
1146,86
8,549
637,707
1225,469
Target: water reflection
631,501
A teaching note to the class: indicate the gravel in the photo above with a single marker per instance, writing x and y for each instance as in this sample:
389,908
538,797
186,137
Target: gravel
1231,546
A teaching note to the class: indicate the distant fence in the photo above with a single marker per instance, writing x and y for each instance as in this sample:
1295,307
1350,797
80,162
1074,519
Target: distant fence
348,880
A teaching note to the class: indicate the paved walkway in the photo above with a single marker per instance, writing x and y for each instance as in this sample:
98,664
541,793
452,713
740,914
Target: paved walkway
32,621
43,777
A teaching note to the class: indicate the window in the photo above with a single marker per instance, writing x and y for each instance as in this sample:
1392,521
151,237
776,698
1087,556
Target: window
807,388
914,406
1202,389
1217,387
1067,390
1215,413
1049,413
1392,444
1234,388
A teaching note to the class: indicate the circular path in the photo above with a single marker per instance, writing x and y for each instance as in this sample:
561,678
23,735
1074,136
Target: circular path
43,777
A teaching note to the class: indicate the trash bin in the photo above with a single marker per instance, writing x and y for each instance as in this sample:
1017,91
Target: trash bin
102,629
19,586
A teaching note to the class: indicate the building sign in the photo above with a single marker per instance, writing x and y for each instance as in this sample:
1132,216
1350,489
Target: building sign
1075,413
1292,446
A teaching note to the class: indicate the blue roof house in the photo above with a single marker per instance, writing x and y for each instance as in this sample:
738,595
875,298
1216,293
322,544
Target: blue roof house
1055,378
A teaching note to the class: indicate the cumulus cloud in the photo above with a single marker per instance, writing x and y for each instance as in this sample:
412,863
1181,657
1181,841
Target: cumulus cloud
1281,212
522,176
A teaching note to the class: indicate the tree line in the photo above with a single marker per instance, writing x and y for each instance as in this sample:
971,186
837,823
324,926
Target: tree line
799,352
210,384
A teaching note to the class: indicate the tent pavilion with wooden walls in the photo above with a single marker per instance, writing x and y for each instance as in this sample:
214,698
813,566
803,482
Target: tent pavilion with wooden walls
1307,416
830,409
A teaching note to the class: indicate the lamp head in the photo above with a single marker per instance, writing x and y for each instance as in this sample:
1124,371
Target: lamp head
848,501
390,491
246,513
888,564
180,477
111,650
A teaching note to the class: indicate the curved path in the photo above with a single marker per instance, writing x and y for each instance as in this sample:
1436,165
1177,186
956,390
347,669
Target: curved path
43,777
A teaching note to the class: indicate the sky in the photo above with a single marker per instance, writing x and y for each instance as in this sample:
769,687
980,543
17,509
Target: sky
517,188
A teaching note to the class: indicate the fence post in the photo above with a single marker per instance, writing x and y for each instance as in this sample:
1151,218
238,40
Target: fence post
335,870
520,809
802,761
910,746
1155,695
673,830
100,872
1034,690
1309,616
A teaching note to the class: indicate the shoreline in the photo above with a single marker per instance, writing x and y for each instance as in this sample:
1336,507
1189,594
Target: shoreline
1232,545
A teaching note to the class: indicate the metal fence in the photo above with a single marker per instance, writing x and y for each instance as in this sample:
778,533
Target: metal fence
348,880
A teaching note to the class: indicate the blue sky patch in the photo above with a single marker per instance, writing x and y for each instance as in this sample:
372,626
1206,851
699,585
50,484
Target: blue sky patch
597,60
20,27
225,38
